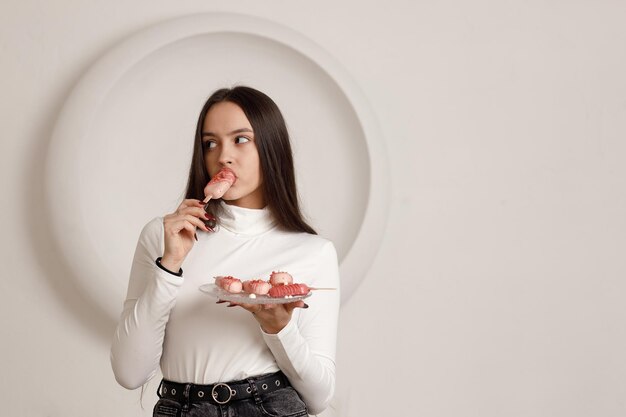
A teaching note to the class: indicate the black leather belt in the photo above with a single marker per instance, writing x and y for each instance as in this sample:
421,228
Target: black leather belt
222,392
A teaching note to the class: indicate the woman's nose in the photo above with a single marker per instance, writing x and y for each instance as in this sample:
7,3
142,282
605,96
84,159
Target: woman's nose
226,156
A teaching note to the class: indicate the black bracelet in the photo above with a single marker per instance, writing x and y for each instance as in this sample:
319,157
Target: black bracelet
158,262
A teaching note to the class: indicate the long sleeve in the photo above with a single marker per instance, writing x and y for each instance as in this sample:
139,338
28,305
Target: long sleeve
138,341
305,349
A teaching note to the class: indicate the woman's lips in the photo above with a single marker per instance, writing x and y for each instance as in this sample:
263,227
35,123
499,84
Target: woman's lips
224,174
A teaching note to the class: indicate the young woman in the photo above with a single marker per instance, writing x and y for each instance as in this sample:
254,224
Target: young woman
250,360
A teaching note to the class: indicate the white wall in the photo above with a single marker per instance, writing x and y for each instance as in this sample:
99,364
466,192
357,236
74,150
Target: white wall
504,123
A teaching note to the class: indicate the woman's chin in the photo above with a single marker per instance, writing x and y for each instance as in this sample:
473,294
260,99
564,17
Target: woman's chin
243,198
228,196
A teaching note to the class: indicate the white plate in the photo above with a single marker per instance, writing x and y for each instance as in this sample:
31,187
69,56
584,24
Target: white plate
244,297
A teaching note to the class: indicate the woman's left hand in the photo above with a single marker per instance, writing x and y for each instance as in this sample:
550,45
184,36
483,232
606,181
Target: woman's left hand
272,317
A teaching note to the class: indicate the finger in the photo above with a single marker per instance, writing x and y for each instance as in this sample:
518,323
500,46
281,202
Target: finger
203,215
190,228
233,304
296,304
196,222
176,227
181,226
192,213
252,308
258,308
195,210
249,307
174,224
188,202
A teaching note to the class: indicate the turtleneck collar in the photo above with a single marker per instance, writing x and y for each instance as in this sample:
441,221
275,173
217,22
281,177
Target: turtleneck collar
245,221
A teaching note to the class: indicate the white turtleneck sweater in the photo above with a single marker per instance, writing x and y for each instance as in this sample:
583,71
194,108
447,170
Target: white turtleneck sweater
167,320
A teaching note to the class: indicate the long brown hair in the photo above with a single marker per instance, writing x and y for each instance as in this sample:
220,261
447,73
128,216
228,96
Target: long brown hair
274,147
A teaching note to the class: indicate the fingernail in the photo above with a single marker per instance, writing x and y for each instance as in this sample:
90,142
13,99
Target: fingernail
195,235
305,305
220,301
210,223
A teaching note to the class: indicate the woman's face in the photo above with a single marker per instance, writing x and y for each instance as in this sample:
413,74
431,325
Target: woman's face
229,142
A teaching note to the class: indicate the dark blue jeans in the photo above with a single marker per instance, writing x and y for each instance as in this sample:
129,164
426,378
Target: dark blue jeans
284,402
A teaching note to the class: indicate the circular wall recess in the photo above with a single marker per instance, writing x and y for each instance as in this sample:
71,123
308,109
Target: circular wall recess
121,148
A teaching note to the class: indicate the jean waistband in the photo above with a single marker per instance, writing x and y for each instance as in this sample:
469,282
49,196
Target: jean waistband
222,392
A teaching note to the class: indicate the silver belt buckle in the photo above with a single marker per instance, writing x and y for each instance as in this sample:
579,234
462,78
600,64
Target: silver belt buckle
214,393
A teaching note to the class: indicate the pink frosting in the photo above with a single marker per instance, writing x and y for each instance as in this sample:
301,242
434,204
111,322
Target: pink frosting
220,183
229,283
281,278
224,174
256,286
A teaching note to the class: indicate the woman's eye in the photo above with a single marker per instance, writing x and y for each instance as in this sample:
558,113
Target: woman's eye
209,144
245,139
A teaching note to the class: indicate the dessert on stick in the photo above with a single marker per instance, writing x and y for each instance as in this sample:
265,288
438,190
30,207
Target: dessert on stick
219,184
293,290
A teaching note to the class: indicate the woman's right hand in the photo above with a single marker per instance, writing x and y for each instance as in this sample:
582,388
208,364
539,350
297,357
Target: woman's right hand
180,229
